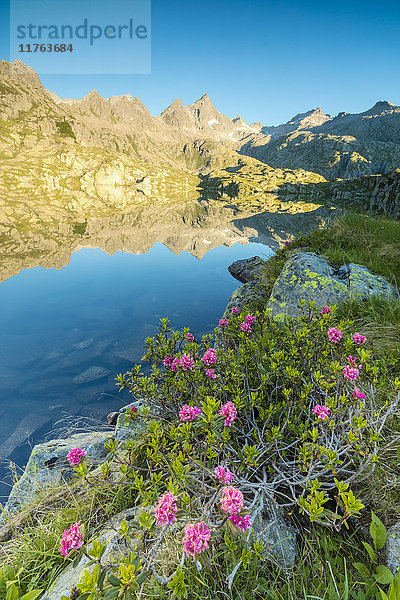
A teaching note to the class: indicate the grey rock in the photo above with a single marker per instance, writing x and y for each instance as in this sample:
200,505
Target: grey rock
248,269
47,466
115,548
392,548
91,374
249,294
276,535
306,276
25,428
129,428
364,283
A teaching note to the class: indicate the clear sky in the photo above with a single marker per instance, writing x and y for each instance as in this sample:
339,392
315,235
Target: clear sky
266,60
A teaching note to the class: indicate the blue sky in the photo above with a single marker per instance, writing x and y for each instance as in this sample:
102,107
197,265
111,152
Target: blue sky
266,60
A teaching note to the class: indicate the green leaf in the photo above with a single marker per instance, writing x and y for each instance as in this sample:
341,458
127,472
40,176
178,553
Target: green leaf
114,580
383,595
111,594
383,575
32,595
370,551
362,569
378,531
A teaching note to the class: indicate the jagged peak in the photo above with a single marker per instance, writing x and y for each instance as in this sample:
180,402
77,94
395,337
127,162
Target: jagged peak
176,104
93,95
20,71
121,98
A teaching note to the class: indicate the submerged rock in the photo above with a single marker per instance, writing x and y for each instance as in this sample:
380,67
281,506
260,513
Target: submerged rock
91,374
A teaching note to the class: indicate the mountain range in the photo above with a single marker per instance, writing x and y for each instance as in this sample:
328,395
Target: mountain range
62,159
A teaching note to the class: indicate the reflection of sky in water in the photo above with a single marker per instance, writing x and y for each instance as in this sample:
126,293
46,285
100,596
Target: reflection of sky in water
95,312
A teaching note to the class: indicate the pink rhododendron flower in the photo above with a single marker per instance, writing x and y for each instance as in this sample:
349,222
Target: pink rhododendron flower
75,455
326,311
228,411
359,339
250,319
353,362
232,500
223,322
223,475
175,364
335,335
196,538
211,373
189,337
241,523
245,326
235,310
166,509
72,539
357,394
186,362
351,373
287,243
322,412
210,357
189,413
167,360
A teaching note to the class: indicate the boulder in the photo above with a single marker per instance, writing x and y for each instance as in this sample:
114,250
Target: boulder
47,466
116,548
392,548
276,535
306,276
127,428
248,269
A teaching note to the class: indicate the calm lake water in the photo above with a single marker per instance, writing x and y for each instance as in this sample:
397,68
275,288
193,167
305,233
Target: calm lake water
66,333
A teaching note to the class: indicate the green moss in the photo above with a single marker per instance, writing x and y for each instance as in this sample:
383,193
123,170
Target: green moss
64,129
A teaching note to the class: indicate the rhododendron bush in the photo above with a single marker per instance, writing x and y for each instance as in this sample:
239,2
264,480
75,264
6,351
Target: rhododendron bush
295,412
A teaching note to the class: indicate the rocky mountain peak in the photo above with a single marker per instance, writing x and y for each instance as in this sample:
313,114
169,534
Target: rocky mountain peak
21,72
381,106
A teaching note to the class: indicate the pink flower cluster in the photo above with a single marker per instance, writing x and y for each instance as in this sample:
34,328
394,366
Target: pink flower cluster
353,362
211,373
74,456
358,395
167,360
187,362
175,364
223,322
210,357
359,339
228,411
241,523
334,335
72,539
287,243
351,373
326,311
196,538
223,475
322,412
235,310
232,500
189,413
247,323
189,337
166,509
